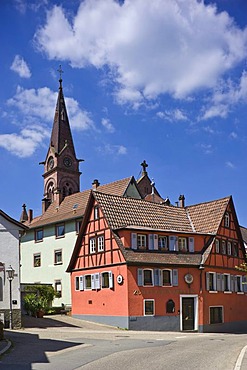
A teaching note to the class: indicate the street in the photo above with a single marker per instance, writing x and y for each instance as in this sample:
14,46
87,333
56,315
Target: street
65,343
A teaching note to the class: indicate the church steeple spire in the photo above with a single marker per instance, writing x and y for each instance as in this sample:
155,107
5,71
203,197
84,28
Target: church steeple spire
61,175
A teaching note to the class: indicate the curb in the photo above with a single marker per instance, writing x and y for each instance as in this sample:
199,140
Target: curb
240,359
7,346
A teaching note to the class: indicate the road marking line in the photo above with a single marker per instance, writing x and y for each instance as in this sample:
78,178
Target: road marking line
182,337
240,359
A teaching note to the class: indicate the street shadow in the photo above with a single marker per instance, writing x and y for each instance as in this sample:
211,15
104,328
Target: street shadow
45,322
28,349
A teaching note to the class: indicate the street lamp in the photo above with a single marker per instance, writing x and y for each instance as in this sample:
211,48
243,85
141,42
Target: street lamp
10,276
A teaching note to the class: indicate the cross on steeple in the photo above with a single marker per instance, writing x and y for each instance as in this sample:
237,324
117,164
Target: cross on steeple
60,73
144,166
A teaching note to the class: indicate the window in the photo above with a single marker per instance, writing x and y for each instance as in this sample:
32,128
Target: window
229,248
101,244
162,243
92,245
227,220
235,249
166,278
88,281
107,280
182,244
96,213
141,241
37,260
39,235
211,281
217,246
148,307
77,285
223,247
170,306
216,315
60,230
78,226
239,284
226,282
58,288
58,257
147,277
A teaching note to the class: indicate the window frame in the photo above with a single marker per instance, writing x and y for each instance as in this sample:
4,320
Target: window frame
170,275
92,245
222,314
35,255
212,282
184,247
145,284
36,231
229,247
57,226
109,284
141,241
56,251
145,308
100,243
160,245
217,246
239,286
86,287
56,284
78,226
223,246
227,220
226,281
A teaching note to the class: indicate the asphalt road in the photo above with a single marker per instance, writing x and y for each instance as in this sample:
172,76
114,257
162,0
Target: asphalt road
64,343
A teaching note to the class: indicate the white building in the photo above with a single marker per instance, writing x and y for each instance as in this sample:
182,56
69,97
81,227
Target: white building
10,299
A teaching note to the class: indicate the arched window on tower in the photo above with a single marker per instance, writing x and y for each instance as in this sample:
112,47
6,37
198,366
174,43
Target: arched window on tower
50,192
67,189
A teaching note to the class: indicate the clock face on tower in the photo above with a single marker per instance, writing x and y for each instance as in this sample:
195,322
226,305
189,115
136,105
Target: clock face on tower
51,163
67,161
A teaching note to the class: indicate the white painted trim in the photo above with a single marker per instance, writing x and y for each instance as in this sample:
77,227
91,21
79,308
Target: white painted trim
195,296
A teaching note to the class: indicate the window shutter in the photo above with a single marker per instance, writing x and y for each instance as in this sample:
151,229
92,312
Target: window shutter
219,282
156,277
81,283
133,240
97,280
244,280
235,283
139,277
207,280
156,247
191,244
232,283
175,277
173,243
110,279
151,241
93,281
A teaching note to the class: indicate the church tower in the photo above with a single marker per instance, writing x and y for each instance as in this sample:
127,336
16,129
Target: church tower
61,167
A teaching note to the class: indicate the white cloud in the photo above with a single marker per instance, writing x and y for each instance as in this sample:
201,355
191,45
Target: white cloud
23,5
24,144
206,148
230,165
108,125
233,135
173,115
185,45
20,66
225,97
40,104
113,149
34,110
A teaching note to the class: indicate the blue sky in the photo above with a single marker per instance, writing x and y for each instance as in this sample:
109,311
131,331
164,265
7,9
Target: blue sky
160,80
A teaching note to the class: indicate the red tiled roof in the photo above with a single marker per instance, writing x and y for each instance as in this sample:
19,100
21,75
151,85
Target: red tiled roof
206,217
128,212
74,206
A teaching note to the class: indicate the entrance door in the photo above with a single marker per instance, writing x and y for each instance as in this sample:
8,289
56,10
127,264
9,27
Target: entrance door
188,314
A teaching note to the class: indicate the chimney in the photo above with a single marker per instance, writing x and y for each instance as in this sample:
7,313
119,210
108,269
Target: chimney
95,184
181,200
30,215
24,216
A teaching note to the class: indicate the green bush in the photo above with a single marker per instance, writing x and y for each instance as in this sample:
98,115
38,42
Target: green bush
38,298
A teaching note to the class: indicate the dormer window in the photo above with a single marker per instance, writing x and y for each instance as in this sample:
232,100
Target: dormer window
227,220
